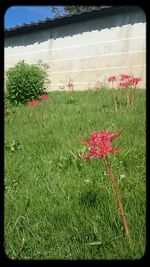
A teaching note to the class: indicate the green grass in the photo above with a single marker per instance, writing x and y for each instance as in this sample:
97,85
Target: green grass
56,204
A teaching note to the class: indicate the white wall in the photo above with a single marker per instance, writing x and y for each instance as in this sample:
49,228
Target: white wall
85,52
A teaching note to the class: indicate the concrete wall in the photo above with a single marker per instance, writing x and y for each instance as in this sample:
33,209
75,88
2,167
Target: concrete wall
85,53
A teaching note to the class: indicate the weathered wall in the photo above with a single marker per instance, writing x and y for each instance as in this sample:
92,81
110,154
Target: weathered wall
85,52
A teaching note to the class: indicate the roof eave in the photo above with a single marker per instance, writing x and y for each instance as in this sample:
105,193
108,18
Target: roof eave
66,20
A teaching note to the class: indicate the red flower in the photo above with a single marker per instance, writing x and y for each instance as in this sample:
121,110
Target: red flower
124,77
124,84
99,145
130,81
44,97
112,78
32,103
135,81
70,85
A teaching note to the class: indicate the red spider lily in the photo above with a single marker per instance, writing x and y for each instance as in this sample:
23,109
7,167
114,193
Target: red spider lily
32,103
97,137
130,82
124,77
44,97
124,84
101,151
99,145
135,81
125,81
70,85
112,79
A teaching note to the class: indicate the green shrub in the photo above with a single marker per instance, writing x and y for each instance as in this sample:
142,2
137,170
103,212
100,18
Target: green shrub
25,81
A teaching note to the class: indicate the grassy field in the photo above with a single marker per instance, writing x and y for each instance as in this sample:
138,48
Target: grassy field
57,204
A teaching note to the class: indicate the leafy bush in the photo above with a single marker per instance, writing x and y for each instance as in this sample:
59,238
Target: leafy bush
25,81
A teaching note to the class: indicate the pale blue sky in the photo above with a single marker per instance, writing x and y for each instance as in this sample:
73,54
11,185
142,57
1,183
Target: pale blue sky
17,15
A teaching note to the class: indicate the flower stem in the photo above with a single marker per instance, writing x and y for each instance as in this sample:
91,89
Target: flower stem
108,168
115,103
128,99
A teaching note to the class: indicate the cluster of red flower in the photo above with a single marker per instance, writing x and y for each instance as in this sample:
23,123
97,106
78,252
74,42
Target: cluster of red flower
34,102
99,144
125,80
128,80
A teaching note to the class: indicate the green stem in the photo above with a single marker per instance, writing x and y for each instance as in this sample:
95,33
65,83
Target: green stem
115,103
128,98
108,168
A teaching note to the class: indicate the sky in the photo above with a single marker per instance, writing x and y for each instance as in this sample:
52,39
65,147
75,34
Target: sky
17,15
